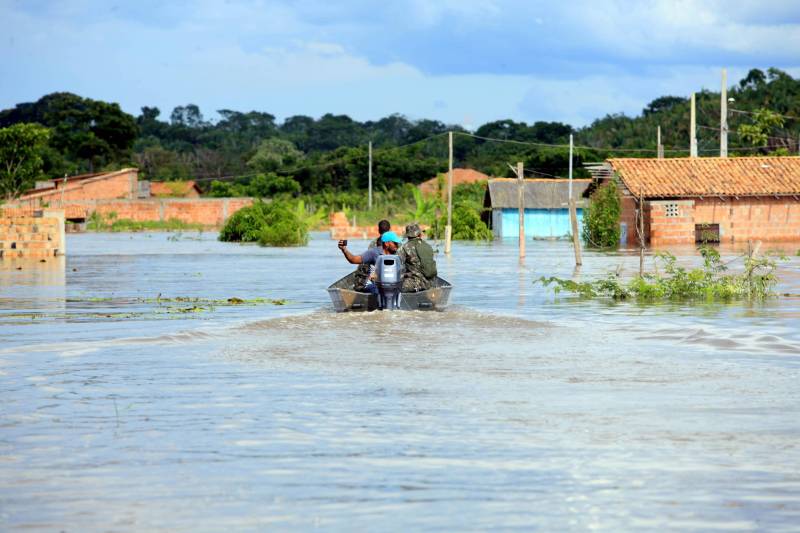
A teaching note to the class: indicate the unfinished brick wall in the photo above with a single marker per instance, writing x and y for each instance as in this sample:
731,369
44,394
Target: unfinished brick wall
671,222
739,220
117,185
31,236
340,228
760,218
211,212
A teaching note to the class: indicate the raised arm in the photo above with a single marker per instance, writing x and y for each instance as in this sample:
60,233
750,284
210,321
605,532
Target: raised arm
352,259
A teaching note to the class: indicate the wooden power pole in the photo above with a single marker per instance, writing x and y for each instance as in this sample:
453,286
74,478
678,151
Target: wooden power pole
693,130
369,201
521,205
573,212
448,229
723,116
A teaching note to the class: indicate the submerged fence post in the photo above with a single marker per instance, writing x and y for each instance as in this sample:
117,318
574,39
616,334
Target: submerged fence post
573,213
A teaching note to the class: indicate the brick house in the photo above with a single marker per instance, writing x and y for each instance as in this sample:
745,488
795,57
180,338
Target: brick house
709,199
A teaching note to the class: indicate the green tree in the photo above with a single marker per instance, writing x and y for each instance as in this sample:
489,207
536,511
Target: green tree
601,218
89,132
270,184
274,153
757,133
21,157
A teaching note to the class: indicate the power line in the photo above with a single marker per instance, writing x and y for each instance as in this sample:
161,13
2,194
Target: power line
528,143
791,140
753,113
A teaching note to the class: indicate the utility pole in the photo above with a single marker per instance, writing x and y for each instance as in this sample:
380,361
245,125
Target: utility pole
693,130
573,212
659,146
448,229
370,177
723,116
521,205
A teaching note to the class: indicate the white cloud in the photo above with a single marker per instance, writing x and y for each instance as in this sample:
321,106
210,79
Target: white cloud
271,56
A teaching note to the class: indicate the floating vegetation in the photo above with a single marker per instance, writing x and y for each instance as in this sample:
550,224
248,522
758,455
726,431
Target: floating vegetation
709,283
97,308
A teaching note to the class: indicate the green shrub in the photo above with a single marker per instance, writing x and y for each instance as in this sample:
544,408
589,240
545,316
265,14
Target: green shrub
224,189
710,282
467,225
269,224
601,218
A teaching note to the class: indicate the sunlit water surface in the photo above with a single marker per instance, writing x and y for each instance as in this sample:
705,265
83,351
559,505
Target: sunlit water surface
513,409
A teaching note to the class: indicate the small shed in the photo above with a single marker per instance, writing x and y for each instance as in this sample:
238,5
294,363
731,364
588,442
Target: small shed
546,206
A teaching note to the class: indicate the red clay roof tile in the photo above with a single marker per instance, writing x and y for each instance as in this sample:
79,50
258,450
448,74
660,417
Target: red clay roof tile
709,176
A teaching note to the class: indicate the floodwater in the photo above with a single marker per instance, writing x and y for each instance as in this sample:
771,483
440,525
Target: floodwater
513,409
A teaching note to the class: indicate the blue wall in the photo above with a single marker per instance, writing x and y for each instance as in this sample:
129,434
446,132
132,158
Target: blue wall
542,223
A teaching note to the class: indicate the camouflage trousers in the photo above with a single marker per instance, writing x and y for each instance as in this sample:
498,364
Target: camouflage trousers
415,284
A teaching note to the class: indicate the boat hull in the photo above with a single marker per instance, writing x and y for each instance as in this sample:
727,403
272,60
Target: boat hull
345,299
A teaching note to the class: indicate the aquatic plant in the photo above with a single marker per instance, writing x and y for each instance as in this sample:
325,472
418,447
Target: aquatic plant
601,218
709,282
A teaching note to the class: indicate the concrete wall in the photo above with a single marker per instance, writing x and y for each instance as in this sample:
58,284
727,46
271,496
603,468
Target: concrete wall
37,235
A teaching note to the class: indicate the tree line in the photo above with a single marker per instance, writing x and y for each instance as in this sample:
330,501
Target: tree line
309,154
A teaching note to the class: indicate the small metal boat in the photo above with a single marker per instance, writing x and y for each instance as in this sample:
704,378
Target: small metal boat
346,299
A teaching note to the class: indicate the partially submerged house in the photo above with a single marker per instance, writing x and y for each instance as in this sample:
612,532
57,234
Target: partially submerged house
709,199
546,204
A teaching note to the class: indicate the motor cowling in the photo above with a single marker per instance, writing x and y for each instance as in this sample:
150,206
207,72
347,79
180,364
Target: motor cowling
389,278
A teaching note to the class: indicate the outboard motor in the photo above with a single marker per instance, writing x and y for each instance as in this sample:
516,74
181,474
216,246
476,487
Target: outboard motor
389,273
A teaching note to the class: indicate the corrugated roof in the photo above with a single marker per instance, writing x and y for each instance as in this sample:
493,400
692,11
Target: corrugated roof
539,193
709,176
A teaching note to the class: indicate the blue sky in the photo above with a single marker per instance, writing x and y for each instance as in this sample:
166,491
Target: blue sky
464,62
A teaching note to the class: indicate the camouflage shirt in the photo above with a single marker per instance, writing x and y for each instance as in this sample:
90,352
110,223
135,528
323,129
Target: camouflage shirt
417,258
363,271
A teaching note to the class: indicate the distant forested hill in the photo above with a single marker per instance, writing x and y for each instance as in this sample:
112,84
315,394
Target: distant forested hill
330,152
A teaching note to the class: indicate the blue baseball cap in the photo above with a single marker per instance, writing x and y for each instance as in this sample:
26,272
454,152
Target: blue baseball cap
391,236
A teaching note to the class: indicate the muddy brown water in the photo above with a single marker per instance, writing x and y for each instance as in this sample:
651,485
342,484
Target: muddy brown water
514,409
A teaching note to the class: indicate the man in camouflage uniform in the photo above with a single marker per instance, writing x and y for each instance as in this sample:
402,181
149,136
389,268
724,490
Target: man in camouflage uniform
364,271
419,267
